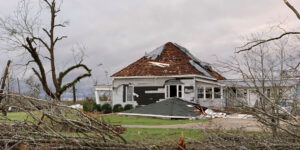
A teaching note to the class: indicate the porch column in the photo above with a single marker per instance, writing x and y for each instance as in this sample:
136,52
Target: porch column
167,91
97,97
213,93
204,93
248,96
196,92
222,92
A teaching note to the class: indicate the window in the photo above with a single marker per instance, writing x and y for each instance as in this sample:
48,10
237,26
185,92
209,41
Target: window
269,93
167,91
217,92
179,91
174,91
188,89
124,93
241,93
208,92
127,93
280,93
201,92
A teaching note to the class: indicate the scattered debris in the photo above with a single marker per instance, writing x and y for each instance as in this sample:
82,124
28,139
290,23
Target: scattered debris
239,116
181,144
211,114
76,106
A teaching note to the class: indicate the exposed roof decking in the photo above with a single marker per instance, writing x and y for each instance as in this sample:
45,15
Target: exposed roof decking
178,60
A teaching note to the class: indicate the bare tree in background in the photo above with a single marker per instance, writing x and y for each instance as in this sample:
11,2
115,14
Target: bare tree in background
26,31
34,87
268,80
269,73
255,43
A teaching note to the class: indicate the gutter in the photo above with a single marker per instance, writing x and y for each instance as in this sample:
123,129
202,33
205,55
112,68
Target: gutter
173,76
157,116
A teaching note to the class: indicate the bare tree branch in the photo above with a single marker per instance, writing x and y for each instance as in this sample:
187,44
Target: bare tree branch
292,8
250,45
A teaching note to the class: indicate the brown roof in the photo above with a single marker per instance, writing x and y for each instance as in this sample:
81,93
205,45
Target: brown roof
169,59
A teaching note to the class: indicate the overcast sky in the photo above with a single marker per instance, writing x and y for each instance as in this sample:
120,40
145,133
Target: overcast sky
118,32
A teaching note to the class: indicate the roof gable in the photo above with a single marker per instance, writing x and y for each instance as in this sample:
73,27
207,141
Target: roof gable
169,59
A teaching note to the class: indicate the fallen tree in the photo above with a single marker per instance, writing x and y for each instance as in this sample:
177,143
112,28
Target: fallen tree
51,125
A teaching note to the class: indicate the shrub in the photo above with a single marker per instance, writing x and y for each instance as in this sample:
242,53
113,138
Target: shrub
118,108
89,106
138,106
106,108
97,107
128,107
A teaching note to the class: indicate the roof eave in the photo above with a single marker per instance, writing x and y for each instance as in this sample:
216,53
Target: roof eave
188,75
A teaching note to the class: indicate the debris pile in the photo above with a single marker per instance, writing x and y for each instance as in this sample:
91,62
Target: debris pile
76,106
209,113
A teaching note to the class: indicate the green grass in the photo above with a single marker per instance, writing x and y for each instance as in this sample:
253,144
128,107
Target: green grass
115,119
135,120
20,116
155,136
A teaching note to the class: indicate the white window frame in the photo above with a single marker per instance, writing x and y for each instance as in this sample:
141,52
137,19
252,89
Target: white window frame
210,93
200,88
167,89
126,93
219,92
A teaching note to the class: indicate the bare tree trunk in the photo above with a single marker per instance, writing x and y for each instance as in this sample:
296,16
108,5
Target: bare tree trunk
74,94
19,89
5,75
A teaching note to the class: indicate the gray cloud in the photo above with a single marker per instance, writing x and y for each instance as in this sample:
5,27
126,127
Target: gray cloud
118,32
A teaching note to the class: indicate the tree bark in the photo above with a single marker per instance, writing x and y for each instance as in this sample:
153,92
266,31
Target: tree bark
5,75
74,94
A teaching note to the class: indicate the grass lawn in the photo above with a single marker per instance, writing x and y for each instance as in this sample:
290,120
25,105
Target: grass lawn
136,120
116,119
20,116
155,136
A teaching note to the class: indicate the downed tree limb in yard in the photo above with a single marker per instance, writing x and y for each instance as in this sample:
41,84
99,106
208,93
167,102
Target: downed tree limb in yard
51,125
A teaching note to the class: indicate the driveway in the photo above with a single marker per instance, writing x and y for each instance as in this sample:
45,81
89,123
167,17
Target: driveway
249,124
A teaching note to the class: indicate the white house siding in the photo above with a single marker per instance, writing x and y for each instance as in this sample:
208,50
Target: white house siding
186,95
146,82
252,96
210,102
149,84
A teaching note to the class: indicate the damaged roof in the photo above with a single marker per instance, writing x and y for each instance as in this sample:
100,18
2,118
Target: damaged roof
169,59
170,108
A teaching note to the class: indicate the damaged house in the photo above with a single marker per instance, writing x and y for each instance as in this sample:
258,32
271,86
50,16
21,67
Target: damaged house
170,71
